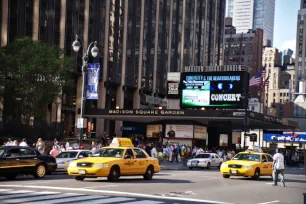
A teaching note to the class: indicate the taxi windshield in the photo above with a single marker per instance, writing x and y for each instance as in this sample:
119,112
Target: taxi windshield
109,152
247,157
203,156
1,151
67,155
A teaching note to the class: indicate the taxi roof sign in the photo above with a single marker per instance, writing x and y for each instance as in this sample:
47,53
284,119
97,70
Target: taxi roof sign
121,142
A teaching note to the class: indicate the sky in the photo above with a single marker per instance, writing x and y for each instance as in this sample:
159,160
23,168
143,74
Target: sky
285,23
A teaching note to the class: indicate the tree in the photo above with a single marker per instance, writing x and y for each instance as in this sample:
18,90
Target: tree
35,73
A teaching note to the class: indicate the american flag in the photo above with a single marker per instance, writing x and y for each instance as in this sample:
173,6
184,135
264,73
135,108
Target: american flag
263,72
266,82
255,80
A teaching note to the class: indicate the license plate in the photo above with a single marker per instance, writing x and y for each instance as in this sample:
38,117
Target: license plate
81,171
234,172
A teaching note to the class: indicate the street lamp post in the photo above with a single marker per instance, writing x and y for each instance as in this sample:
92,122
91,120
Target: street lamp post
56,121
76,45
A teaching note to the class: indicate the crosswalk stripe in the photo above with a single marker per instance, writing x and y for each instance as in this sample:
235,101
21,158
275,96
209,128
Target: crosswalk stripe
69,199
145,201
2,190
107,200
14,192
40,198
20,195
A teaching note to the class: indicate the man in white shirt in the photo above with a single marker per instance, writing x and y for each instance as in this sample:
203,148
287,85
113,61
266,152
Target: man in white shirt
9,142
278,168
23,143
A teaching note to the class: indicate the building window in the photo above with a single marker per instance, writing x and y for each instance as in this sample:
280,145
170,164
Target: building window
281,101
273,94
281,94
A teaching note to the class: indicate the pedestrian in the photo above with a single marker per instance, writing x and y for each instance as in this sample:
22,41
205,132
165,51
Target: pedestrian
16,143
55,142
9,142
40,146
62,149
24,143
278,168
93,147
154,152
175,154
54,152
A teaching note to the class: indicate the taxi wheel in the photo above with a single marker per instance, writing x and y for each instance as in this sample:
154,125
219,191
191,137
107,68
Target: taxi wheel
79,178
114,174
11,177
256,174
226,176
40,171
190,167
149,173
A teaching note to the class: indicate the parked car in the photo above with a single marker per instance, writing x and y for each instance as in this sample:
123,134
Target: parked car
205,160
16,160
64,158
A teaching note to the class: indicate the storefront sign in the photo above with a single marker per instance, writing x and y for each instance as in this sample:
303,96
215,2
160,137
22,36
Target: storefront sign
179,131
295,138
212,89
154,130
146,112
200,132
122,128
224,68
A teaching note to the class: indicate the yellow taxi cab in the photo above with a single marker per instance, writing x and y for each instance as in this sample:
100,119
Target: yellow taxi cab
121,158
248,164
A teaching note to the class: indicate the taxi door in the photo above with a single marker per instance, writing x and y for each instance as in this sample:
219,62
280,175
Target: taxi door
129,163
270,162
141,161
8,163
264,165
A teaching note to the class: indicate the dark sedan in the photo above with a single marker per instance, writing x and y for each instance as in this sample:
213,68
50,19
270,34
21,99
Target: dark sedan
16,160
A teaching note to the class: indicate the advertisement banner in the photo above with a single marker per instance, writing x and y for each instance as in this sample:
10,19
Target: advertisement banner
173,80
297,137
154,130
93,81
200,132
212,89
223,140
179,131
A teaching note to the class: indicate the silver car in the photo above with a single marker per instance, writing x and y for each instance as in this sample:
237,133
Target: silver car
64,158
205,160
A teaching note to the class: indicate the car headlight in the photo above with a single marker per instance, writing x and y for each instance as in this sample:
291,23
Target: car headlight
224,165
72,164
247,167
100,165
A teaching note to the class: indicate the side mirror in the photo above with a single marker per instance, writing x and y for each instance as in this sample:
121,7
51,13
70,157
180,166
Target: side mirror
6,155
127,157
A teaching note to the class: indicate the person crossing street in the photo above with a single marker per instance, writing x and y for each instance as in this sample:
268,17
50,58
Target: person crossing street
278,168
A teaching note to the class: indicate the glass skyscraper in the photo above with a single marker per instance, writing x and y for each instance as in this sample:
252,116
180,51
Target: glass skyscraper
253,14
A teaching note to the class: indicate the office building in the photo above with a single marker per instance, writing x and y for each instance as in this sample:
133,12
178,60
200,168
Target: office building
253,14
139,42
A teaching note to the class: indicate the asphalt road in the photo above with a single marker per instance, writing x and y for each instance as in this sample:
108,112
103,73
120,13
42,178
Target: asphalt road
197,186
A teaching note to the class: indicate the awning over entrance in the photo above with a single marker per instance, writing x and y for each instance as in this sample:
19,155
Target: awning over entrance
226,118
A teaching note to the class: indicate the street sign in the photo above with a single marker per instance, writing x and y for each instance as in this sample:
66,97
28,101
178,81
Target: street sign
253,137
81,123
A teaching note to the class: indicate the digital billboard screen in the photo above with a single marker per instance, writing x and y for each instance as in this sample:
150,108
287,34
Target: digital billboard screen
213,89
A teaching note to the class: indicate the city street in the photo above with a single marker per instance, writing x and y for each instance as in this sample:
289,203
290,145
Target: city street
168,186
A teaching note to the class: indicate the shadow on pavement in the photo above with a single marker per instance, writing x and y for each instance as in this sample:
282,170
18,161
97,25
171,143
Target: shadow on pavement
31,178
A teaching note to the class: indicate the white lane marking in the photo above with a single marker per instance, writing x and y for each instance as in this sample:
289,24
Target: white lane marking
19,195
2,190
114,192
36,183
107,200
40,197
145,201
62,200
16,192
102,186
275,201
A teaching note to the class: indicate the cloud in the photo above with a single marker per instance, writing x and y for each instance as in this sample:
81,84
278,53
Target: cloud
288,44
